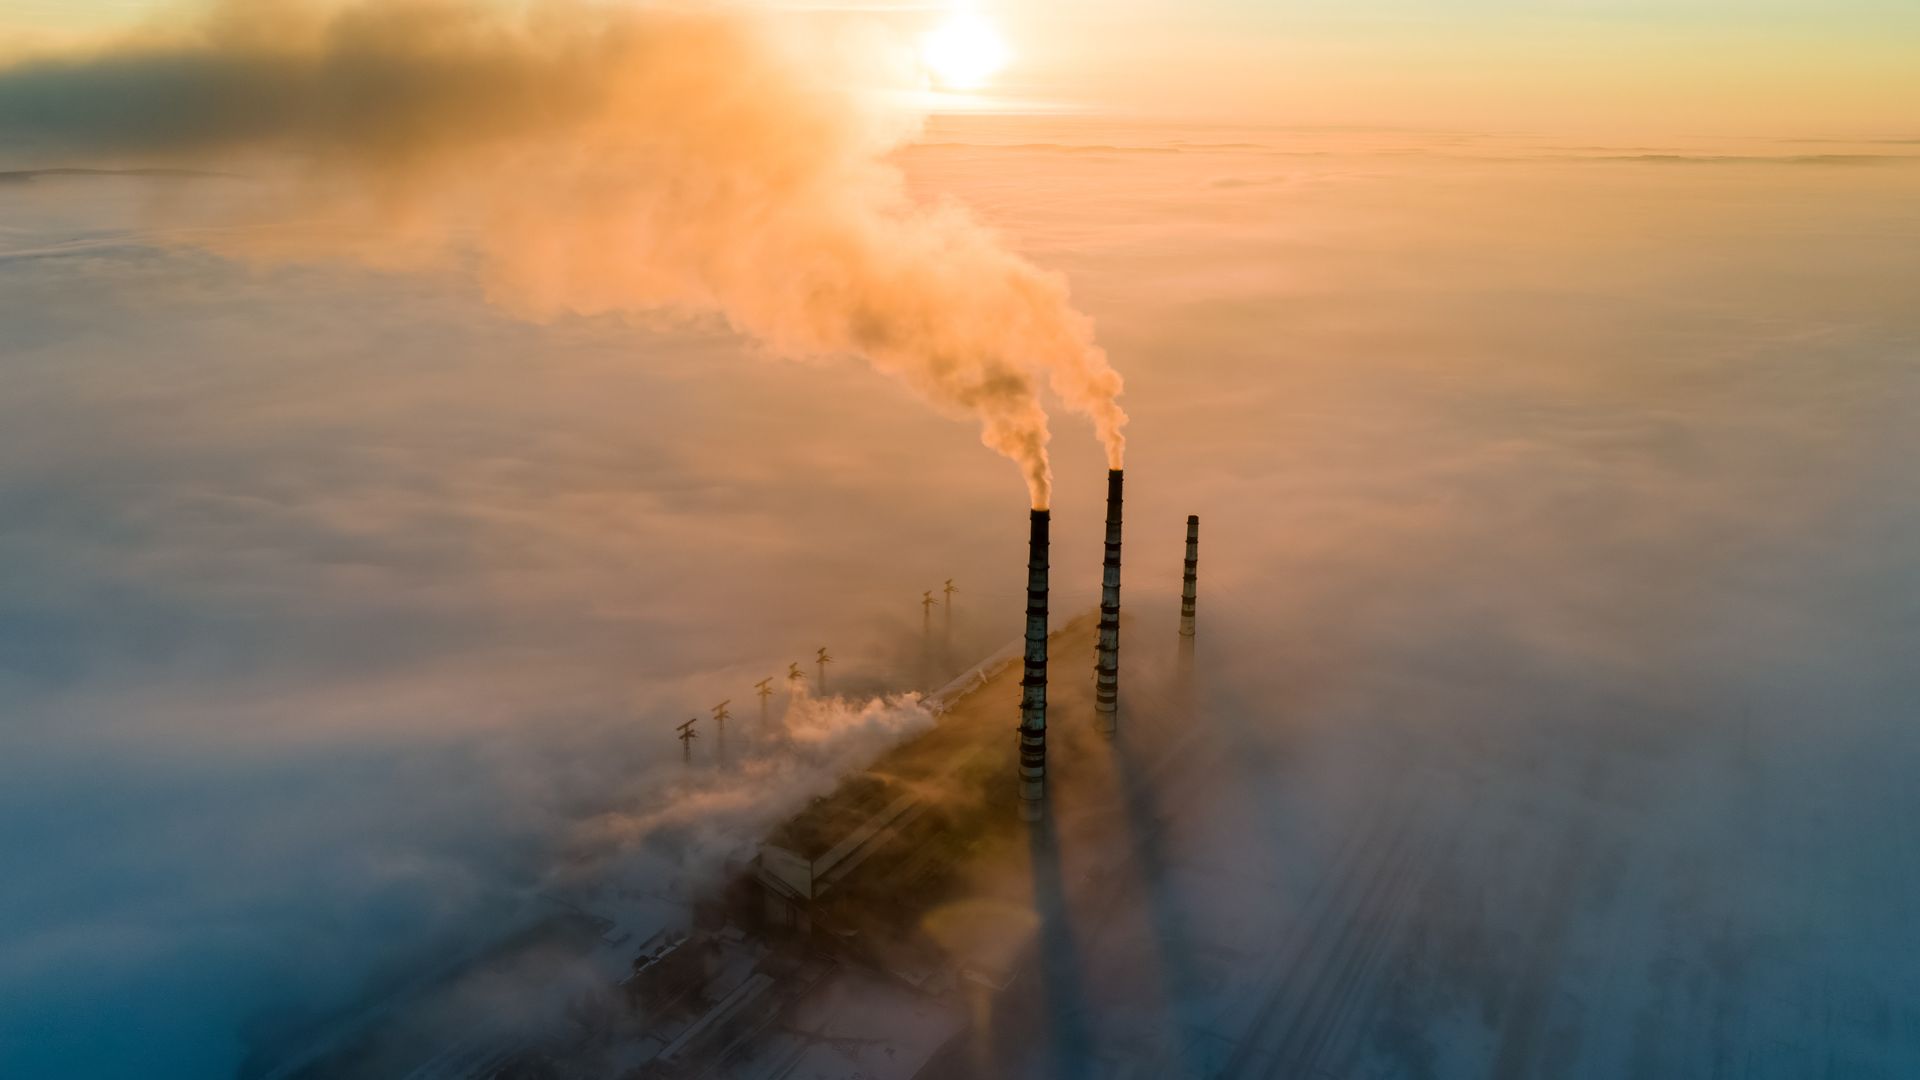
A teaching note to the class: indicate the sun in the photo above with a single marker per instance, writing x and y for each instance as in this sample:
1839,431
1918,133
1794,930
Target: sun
963,52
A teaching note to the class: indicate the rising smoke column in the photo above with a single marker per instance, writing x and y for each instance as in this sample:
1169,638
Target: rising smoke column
600,159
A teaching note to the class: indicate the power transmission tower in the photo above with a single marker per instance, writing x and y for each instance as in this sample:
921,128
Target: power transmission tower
720,718
765,689
926,635
687,735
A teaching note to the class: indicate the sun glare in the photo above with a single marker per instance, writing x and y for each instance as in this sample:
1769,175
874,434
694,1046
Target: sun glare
963,52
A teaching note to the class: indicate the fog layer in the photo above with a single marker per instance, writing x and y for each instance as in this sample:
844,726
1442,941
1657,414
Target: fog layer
339,602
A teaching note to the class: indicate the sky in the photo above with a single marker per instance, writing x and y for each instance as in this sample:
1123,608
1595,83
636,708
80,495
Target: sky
349,593
1697,67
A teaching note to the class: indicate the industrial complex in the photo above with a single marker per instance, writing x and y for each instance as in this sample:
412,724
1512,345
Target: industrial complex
869,934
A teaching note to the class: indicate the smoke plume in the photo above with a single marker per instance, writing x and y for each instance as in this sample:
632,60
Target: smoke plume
732,798
592,159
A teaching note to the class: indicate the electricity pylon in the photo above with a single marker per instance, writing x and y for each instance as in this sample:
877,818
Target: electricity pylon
720,717
687,735
765,689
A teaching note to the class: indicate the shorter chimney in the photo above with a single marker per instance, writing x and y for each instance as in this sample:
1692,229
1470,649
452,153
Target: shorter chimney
1193,566
1033,686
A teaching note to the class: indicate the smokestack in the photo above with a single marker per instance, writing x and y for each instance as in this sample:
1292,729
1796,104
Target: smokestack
1033,687
1193,566
1106,667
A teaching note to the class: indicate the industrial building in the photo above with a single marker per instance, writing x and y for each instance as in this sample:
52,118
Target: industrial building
911,874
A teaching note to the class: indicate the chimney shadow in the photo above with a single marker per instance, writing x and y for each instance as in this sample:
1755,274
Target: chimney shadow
1069,1047
1173,936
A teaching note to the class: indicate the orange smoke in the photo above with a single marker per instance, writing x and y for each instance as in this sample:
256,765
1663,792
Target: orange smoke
599,159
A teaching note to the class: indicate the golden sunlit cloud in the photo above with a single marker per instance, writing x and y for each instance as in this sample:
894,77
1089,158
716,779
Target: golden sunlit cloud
424,129
963,52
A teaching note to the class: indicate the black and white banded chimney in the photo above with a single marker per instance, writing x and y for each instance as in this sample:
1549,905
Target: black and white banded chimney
1106,666
1033,685
1193,567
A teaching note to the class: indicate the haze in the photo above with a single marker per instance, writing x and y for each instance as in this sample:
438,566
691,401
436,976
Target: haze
1548,397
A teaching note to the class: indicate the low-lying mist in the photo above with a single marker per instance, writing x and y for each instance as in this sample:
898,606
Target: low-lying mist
342,611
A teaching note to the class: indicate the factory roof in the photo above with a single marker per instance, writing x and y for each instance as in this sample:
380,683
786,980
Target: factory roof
830,819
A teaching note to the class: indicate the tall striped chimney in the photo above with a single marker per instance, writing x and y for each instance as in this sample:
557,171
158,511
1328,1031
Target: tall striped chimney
1033,686
1106,665
1193,566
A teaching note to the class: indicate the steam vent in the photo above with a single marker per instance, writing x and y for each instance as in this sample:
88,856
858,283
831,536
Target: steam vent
1106,667
1192,575
1033,686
